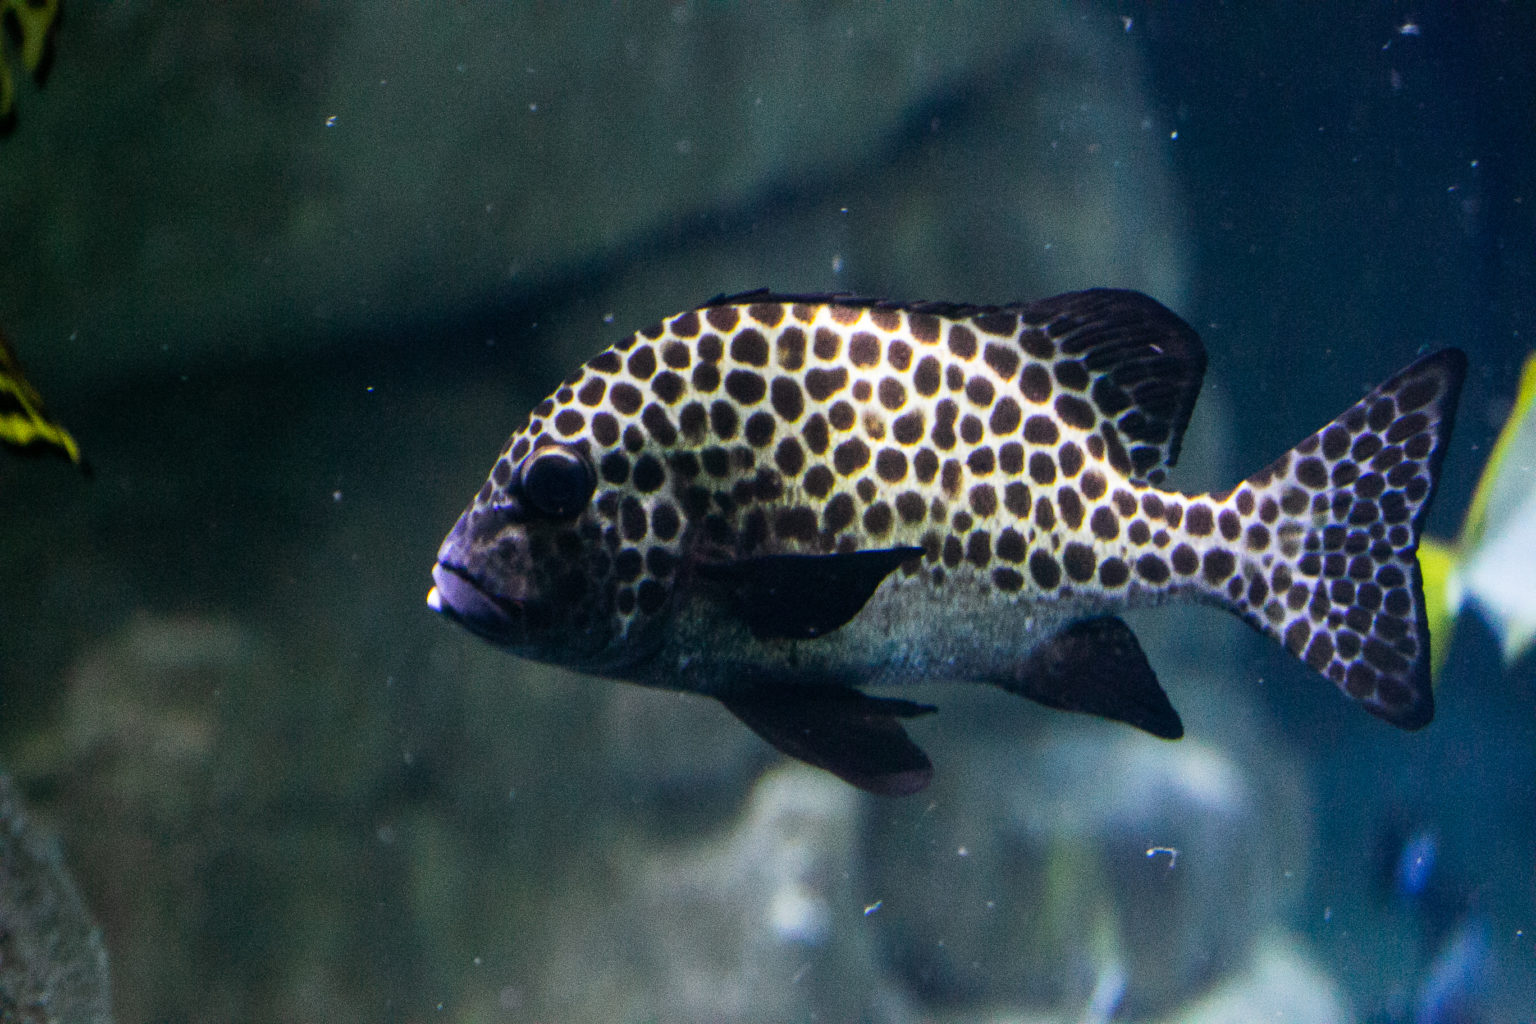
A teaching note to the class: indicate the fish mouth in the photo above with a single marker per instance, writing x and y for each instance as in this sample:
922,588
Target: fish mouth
459,596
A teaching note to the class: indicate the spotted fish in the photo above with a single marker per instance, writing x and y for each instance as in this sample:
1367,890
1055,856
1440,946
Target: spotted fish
778,500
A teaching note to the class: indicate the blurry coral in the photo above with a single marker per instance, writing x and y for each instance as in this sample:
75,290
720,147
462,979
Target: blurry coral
53,966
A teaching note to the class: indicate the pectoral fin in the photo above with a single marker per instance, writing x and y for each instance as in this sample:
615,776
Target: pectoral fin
798,597
855,737
1097,666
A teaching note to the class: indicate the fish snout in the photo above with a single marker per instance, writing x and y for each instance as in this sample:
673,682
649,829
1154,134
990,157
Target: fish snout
459,596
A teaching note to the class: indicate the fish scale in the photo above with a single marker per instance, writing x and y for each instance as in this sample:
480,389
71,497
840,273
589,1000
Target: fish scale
777,499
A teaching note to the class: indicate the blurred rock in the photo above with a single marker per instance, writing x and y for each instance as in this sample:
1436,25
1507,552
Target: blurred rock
214,821
1278,983
678,761
766,922
373,164
53,966
1281,983
1092,852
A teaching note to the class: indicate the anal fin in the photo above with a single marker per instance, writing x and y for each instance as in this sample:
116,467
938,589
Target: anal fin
1096,666
853,736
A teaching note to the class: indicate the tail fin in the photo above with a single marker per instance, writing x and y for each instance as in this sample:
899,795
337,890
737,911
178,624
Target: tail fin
1326,541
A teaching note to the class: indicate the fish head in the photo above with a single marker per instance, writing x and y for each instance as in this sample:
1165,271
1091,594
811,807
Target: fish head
576,546
524,566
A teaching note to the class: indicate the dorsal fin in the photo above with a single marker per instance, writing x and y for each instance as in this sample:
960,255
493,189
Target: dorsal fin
1128,368
1144,368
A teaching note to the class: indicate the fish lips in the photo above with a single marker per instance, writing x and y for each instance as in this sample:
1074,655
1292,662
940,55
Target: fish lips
459,596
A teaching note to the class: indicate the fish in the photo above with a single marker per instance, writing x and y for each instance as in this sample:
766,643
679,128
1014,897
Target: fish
778,501
1491,562
33,24
24,422
1457,981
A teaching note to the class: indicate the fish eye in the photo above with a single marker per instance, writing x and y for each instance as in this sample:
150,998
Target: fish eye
556,480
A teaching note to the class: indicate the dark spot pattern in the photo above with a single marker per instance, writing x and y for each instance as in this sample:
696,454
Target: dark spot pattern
1013,448
1044,569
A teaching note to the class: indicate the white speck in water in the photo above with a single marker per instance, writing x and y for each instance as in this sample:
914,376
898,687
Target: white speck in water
478,961
843,211
963,851
1327,913
368,388
797,915
837,264
1172,852
1408,28
335,495
1127,21
330,122
873,907
1174,134
533,108
607,318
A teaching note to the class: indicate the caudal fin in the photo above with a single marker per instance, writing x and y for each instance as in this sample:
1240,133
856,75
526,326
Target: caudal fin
1326,541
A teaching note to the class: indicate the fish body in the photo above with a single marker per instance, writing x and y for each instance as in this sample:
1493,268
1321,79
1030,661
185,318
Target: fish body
778,500
1491,564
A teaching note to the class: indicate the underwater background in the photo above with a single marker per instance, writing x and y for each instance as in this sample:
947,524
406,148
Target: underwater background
291,273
